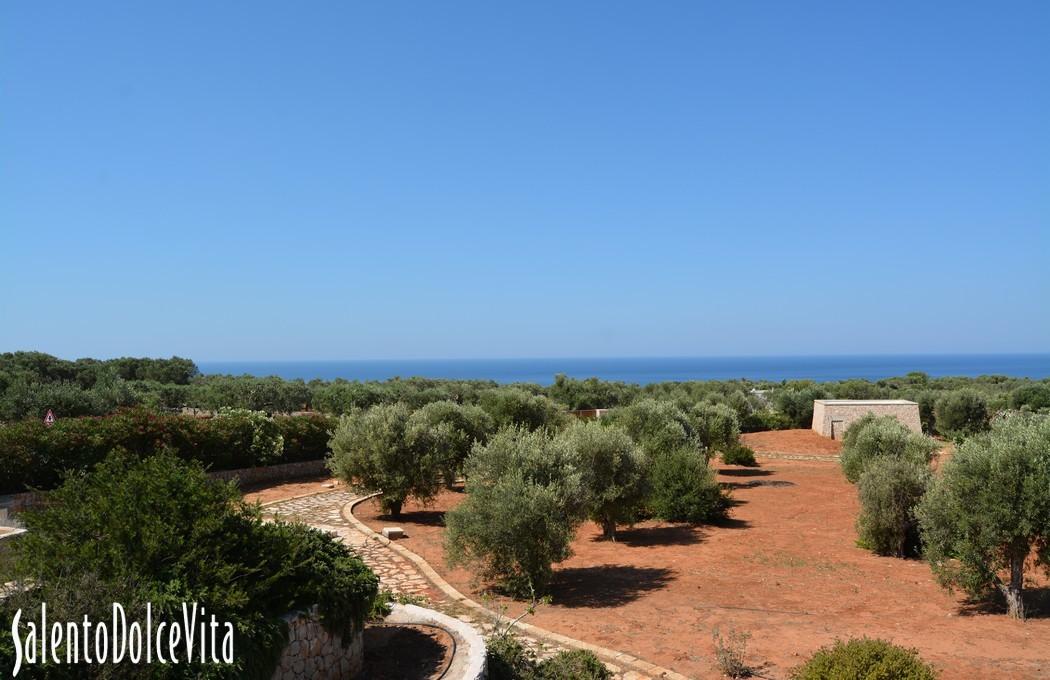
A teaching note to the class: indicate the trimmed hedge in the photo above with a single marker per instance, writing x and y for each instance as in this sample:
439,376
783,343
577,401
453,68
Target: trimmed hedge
35,456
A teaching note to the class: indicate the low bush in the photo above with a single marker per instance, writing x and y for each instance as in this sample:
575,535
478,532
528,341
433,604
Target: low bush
509,659
961,413
739,454
882,437
731,653
865,659
576,664
889,490
525,500
684,488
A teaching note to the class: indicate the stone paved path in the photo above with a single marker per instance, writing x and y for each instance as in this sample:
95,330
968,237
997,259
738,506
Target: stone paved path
325,511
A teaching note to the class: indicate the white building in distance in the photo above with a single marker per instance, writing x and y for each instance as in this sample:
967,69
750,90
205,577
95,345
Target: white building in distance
831,417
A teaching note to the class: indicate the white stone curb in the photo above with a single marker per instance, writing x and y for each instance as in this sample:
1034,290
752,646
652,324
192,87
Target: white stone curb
468,662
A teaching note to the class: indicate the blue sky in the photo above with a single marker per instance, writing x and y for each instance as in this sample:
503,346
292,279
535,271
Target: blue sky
274,180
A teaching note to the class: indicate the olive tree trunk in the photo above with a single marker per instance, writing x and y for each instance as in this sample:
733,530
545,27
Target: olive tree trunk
609,529
1012,591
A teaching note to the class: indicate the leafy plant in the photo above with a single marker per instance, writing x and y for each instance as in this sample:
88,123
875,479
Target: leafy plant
739,454
864,659
961,413
684,488
882,437
889,489
731,653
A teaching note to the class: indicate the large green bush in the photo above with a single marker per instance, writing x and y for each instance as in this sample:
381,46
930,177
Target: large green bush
452,430
657,426
158,530
796,403
684,488
33,455
716,426
990,509
615,475
510,406
879,437
889,489
1034,397
525,499
865,659
961,413
377,450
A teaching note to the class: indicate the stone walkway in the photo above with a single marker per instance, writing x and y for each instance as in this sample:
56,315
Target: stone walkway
325,511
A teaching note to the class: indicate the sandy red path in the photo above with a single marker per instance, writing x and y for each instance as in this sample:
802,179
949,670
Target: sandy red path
805,442
286,490
785,569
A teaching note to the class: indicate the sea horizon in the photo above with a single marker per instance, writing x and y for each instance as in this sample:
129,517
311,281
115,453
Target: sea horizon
646,370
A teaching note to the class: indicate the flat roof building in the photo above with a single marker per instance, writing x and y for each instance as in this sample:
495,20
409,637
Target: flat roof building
831,417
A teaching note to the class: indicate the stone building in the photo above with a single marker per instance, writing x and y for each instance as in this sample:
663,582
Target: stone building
831,417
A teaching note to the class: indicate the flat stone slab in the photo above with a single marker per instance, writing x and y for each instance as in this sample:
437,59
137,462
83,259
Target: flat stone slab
393,533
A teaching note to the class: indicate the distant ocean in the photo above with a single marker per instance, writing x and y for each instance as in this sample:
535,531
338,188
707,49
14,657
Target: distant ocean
649,370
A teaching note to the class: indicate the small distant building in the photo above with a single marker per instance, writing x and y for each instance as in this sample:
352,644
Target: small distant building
589,413
831,417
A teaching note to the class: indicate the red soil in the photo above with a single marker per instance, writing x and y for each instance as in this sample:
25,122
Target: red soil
795,442
286,490
785,568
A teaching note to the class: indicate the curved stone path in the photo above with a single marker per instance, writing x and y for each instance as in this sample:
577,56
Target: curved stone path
328,511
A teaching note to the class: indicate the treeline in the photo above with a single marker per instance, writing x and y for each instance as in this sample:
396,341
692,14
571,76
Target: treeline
33,382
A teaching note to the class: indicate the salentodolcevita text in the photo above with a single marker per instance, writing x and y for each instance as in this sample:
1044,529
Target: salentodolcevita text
193,638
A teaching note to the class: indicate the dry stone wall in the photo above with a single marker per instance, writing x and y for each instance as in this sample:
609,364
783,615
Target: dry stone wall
313,652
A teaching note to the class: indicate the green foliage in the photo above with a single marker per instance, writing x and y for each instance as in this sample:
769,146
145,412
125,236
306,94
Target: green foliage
990,508
889,489
1034,397
882,436
961,413
377,450
451,430
614,473
590,393
684,488
716,426
731,653
525,500
796,403
739,454
159,530
511,406
657,426
33,455
865,659
575,664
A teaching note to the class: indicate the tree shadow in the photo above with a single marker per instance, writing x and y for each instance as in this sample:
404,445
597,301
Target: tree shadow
401,652
1036,604
758,482
426,518
731,522
607,585
675,534
747,472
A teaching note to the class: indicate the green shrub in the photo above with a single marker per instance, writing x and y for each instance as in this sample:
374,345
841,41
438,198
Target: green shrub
1034,397
716,426
731,653
508,659
883,436
159,530
889,489
796,404
576,664
657,426
510,406
377,450
525,500
855,428
614,471
961,413
739,454
865,659
452,430
989,510
763,420
684,488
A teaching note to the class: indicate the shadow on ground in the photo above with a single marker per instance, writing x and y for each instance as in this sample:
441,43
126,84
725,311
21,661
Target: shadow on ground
748,472
1036,604
405,653
607,585
676,534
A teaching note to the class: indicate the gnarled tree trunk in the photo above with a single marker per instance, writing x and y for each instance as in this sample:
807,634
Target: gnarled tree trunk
1013,590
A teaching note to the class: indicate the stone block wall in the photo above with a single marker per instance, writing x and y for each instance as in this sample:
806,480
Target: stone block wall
831,417
313,652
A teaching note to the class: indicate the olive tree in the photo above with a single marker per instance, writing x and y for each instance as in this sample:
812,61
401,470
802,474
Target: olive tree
525,500
990,509
376,449
889,489
451,429
514,406
614,473
880,437
657,426
961,413
717,426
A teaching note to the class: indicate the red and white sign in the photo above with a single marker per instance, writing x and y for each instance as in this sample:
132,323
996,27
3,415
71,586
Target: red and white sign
49,419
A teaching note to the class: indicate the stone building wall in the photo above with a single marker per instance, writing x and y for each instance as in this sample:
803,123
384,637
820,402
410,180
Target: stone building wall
313,652
831,417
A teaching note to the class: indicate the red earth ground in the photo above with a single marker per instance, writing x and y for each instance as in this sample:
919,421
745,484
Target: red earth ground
784,568
286,490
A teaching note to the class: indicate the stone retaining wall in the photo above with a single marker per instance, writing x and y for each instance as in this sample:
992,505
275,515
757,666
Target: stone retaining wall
313,652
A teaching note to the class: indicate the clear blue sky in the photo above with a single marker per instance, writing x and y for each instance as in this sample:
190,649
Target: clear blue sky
280,180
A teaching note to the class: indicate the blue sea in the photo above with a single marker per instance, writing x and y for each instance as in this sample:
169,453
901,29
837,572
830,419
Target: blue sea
649,370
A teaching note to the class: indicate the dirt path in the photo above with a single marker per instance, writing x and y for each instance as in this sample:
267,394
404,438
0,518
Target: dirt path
784,568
